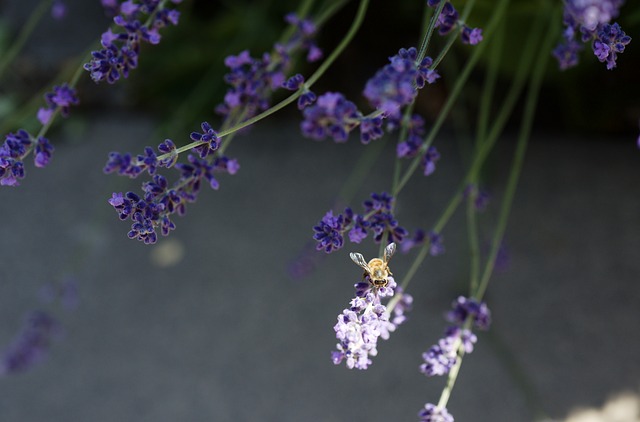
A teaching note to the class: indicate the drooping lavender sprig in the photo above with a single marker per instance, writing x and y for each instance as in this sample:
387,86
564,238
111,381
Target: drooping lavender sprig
377,218
136,22
16,147
153,210
32,344
589,21
365,321
253,80
458,338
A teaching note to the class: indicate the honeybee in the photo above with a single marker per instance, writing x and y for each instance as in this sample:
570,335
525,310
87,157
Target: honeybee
378,268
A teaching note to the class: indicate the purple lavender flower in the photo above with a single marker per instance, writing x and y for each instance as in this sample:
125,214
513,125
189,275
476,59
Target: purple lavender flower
609,41
480,197
329,232
370,128
127,165
209,139
448,18
396,84
358,224
429,160
62,97
303,37
331,116
43,152
415,130
432,413
464,308
591,19
436,246
441,357
359,326
32,344
120,50
471,36
294,83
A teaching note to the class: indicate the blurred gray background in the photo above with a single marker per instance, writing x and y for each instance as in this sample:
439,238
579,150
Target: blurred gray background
210,324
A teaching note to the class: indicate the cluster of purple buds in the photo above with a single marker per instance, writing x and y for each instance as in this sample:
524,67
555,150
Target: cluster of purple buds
414,145
62,97
589,21
440,358
365,320
420,237
448,20
396,84
32,344
140,21
159,201
433,413
13,152
377,217
253,80
303,37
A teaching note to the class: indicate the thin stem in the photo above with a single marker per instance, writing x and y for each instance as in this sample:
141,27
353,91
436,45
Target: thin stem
462,79
523,137
26,31
357,22
474,243
486,99
429,32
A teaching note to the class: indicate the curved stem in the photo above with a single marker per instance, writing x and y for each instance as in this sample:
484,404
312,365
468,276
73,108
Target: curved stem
26,31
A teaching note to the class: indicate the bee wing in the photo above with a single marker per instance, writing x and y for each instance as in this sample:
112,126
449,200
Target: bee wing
359,260
389,251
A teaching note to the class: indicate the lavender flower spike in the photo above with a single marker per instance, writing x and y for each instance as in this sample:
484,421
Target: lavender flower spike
432,413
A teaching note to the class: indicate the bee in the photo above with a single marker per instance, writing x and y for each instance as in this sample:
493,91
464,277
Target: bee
378,268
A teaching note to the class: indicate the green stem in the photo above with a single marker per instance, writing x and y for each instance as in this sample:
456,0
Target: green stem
462,79
427,35
474,243
26,31
523,138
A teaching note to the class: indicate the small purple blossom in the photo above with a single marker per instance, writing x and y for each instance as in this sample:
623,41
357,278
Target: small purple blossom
306,99
471,36
294,83
209,139
370,128
436,246
464,308
429,160
328,232
62,98
432,413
